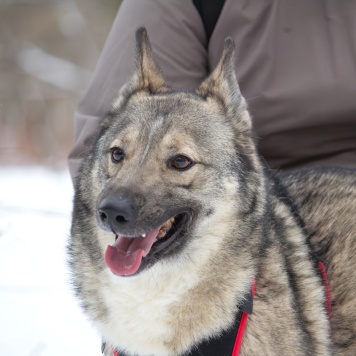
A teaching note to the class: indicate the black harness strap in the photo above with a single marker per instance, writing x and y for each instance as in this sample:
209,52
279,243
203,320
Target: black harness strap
223,344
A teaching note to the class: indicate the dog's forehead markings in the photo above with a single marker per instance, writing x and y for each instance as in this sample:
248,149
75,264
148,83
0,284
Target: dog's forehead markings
153,128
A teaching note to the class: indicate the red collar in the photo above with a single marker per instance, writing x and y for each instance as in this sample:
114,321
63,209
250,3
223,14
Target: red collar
242,326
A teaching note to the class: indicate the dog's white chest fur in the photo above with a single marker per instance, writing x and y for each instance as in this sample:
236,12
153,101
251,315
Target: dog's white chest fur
144,308
140,320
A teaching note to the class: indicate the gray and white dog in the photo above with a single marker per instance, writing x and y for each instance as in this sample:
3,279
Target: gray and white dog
175,219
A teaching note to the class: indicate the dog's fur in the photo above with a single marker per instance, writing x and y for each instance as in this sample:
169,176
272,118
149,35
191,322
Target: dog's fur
244,224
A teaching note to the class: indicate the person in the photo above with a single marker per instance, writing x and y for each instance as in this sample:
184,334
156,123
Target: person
296,66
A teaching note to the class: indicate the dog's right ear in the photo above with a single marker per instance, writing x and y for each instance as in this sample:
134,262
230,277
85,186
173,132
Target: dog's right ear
147,76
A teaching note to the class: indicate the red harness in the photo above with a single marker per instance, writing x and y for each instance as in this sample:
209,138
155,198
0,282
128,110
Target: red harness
245,314
324,276
242,327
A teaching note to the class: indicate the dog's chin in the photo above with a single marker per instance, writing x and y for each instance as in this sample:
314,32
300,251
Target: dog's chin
130,255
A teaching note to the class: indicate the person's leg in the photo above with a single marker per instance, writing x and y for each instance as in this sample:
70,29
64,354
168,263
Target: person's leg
179,43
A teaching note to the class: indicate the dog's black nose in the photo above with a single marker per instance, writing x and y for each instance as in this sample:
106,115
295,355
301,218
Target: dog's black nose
115,211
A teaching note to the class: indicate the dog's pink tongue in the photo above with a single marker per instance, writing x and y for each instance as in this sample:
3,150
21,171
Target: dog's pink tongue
125,256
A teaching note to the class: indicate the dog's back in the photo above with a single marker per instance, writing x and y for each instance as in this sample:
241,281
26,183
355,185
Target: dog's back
326,201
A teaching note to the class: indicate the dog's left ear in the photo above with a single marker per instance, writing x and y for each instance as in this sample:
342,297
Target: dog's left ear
147,76
222,83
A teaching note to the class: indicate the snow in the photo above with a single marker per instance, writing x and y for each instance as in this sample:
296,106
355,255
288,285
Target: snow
39,315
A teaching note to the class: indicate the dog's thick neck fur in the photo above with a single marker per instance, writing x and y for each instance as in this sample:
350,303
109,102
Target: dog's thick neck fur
179,301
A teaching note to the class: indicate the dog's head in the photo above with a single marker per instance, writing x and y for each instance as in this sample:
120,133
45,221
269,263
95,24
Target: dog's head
166,165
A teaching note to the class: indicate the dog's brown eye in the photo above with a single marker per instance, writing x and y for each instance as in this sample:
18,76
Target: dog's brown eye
117,154
180,162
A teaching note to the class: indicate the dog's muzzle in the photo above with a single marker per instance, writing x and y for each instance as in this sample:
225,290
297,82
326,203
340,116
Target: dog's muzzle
134,243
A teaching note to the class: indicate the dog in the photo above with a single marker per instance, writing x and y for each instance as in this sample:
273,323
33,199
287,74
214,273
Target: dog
177,223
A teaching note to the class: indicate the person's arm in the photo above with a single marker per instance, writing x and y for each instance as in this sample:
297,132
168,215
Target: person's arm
179,43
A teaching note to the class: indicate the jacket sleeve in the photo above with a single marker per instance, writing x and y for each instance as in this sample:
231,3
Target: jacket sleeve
179,43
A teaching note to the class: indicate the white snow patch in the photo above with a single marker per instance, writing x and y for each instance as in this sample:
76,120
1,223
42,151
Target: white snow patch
39,316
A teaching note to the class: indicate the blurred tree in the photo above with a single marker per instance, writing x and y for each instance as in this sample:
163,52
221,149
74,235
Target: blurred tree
47,52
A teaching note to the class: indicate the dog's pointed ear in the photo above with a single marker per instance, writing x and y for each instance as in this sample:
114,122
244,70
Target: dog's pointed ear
147,76
222,83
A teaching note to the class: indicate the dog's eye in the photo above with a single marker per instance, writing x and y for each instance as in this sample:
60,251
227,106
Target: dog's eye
117,154
180,162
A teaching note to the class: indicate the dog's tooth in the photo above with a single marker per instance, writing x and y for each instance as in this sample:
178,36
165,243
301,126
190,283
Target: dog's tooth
143,235
161,233
164,228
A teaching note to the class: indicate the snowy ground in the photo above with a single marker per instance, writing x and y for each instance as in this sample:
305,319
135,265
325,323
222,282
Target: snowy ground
39,315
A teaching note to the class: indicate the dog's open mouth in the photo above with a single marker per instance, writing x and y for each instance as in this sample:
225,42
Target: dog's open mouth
125,256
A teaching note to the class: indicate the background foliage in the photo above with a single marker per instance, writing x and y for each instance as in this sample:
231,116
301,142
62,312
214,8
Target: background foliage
48,50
